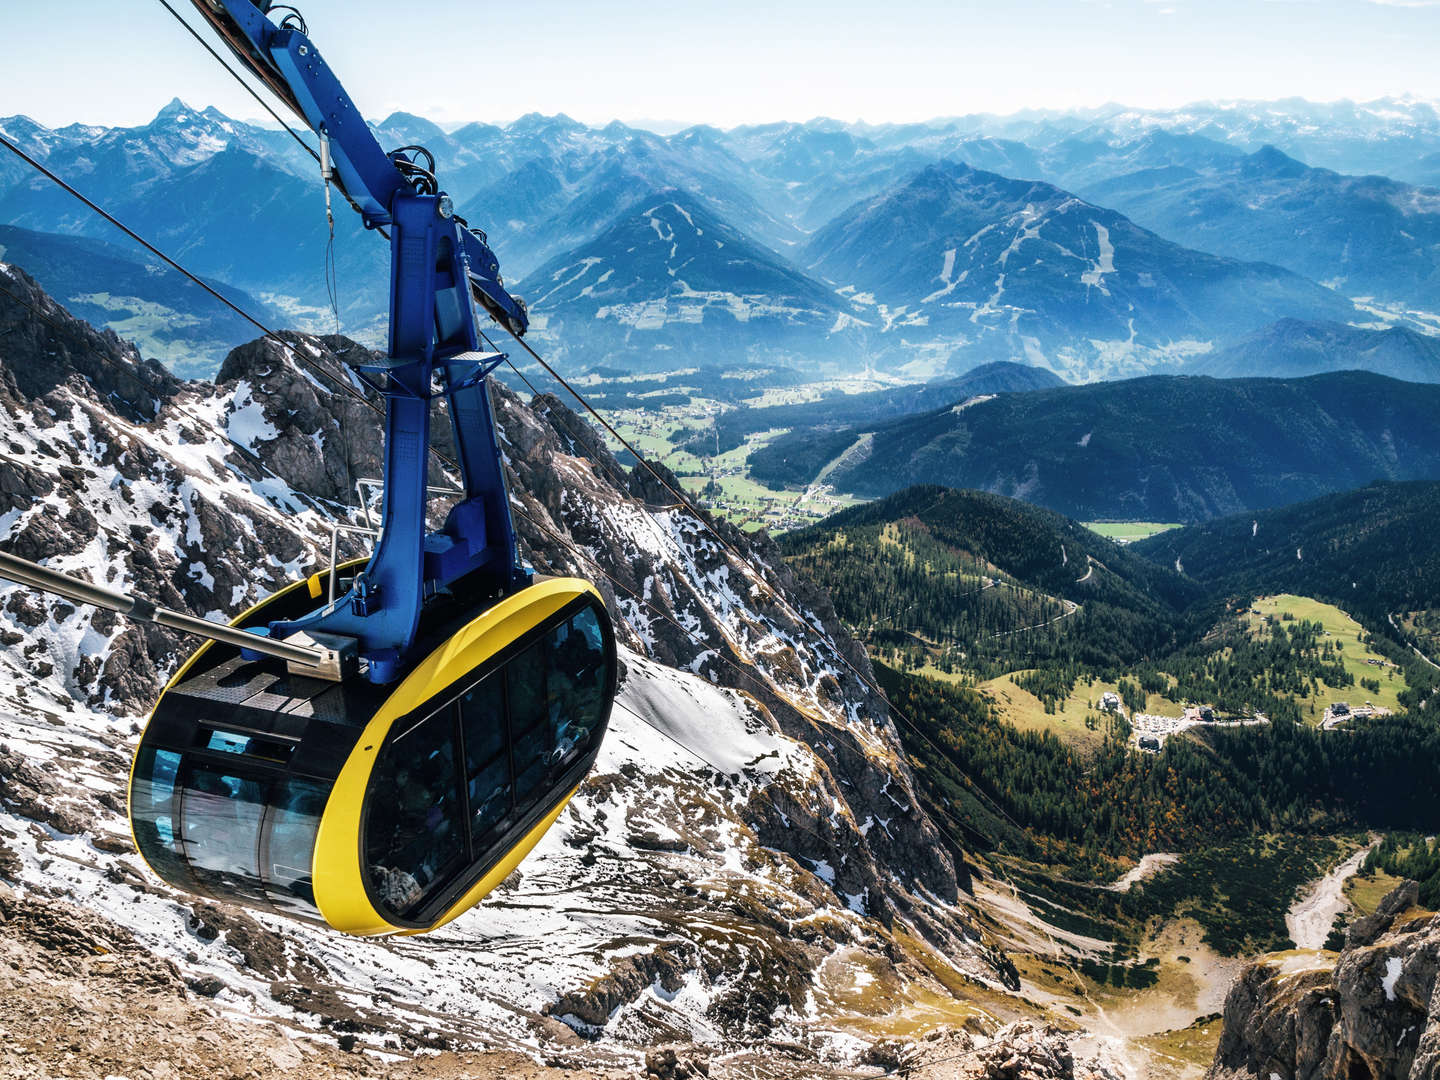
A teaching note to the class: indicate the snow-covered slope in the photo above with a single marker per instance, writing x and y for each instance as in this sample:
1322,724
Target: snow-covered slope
748,851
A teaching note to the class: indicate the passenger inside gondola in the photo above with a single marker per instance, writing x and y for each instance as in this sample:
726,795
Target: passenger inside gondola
413,839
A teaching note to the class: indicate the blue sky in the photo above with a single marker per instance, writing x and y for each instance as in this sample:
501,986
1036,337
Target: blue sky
741,61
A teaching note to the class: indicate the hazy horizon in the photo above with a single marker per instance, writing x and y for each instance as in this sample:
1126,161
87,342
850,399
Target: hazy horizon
668,126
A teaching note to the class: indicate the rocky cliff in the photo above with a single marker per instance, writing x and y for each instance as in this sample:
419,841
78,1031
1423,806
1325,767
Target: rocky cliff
748,854
1373,1015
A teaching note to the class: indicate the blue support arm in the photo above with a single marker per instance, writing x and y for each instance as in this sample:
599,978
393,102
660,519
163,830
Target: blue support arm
288,62
437,268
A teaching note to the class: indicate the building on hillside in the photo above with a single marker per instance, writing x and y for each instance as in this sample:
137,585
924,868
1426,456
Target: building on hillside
1149,742
1110,701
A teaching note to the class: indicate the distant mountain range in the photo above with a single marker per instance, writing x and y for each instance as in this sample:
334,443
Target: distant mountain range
670,284
980,264
1366,235
168,316
911,247
1161,448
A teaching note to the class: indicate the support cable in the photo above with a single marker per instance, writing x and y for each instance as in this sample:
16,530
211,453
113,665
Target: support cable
682,500
236,75
345,386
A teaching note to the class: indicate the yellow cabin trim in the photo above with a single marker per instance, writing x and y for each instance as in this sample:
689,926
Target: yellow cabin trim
338,870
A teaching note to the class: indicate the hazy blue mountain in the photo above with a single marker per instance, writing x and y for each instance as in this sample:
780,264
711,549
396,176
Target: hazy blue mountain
106,162
547,207
242,203
244,221
1292,348
168,316
670,284
1162,448
1083,162
1366,235
979,264
839,411
1389,136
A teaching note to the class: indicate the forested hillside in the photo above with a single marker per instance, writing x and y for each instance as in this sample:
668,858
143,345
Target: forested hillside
1020,789
1374,550
986,584
950,589
838,411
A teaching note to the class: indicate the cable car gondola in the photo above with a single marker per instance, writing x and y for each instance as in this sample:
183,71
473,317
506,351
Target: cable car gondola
378,750
376,809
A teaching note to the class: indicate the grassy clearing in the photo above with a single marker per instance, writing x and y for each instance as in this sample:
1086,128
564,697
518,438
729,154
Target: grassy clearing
1187,1052
1365,893
1023,710
1127,532
1347,632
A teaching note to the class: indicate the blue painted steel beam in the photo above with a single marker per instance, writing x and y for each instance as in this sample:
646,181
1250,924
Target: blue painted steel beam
436,266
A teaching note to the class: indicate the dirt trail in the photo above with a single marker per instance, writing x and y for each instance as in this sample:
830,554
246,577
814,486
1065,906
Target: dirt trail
1310,920
1149,865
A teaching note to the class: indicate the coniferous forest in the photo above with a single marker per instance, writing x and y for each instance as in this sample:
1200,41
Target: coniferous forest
950,590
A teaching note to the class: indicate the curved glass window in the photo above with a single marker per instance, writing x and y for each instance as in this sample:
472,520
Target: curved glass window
290,844
446,793
415,836
228,828
220,816
577,678
531,729
487,755
152,812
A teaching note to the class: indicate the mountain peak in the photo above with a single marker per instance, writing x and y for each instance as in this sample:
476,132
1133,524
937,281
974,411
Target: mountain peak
176,112
1274,162
413,125
538,121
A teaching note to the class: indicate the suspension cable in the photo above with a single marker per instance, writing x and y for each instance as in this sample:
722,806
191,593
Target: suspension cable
236,75
681,499
339,379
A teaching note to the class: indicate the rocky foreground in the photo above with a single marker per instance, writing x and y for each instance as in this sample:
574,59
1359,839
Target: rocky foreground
81,997
1374,1015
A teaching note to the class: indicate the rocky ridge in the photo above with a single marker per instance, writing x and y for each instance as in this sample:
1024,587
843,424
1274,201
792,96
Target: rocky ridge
749,836
1373,1015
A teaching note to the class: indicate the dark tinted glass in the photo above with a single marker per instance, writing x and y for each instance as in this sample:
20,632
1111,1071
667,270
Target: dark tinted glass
577,679
531,725
414,832
294,821
482,719
487,754
220,817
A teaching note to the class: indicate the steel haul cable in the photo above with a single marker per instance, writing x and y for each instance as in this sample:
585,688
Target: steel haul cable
345,386
681,499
